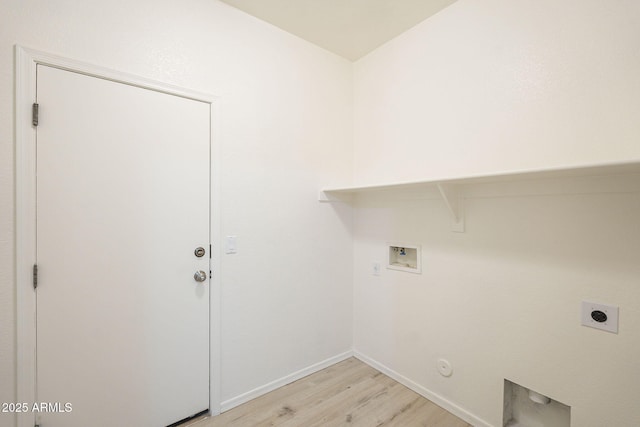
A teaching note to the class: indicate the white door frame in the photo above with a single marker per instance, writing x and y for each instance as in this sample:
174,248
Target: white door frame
25,95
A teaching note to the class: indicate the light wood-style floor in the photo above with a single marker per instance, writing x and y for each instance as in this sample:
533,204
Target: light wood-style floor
349,393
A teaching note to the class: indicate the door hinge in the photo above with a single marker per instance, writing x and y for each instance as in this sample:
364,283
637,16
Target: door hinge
34,114
35,276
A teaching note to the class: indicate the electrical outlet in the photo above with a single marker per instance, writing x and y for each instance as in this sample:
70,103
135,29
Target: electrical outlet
600,316
375,268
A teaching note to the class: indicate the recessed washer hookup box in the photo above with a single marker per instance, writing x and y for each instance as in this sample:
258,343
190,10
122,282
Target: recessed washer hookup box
405,257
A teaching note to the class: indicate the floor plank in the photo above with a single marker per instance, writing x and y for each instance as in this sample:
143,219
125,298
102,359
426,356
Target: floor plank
349,393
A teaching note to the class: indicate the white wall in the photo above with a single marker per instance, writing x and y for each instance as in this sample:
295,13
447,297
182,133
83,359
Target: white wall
502,300
499,85
484,87
286,116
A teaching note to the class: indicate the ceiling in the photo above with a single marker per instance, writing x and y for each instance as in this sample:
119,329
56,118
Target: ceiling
349,28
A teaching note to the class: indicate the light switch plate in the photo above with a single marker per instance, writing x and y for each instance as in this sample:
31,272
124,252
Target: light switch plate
231,246
600,316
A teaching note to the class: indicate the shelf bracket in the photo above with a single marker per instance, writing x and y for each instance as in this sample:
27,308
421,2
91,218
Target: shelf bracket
331,197
455,203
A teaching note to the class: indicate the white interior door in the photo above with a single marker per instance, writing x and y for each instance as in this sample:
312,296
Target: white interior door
122,203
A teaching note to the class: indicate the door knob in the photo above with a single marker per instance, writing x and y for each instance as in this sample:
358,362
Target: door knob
200,276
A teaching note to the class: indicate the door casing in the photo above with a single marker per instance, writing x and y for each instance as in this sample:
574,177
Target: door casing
25,219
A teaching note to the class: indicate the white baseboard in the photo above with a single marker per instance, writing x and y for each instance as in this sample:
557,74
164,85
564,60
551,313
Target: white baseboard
257,392
433,397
